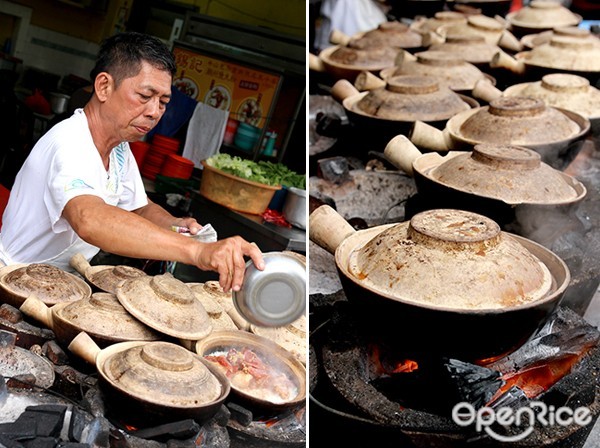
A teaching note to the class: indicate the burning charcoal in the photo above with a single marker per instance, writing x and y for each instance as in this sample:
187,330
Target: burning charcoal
94,402
54,353
212,435
334,169
513,398
474,384
41,442
241,415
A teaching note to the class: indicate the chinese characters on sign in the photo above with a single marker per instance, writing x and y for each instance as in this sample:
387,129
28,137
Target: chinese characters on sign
246,92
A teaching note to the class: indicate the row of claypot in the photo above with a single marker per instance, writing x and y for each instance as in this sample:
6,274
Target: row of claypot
141,366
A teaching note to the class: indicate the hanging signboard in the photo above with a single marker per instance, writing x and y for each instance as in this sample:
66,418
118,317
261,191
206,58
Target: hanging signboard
247,93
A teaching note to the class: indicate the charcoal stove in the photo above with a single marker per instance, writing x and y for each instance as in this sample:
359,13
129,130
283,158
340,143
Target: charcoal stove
362,408
73,409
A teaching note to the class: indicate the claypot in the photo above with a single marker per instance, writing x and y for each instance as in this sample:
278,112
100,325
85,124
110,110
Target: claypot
492,30
48,283
552,132
219,318
449,281
213,291
165,304
392,109
292,337
150,383
531,41
283,387
570,92
426,25
104,278
472,48
493,180
455,72
562,54
540,15
101,316
342,62
388,34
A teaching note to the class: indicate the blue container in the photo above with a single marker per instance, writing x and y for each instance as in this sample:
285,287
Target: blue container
278,199
246,136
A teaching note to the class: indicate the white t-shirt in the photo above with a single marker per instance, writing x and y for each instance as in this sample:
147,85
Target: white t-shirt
64,164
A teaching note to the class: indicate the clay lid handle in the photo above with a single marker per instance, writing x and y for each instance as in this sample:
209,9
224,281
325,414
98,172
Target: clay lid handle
509,42
328,228
431,38
486,91
428,137
366,80
402,153
238,319
337,37
34,307
315,63
84,347
343,89
79,263
504,60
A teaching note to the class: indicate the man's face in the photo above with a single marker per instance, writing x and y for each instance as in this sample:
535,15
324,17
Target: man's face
136,105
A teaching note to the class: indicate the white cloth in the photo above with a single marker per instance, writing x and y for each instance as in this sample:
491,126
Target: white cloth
348,16
64,164
205,133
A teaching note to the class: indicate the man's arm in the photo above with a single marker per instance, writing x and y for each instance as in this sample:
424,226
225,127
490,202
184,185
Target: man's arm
162,218
130,234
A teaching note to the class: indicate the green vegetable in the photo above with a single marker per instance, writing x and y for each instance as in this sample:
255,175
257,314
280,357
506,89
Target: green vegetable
264,172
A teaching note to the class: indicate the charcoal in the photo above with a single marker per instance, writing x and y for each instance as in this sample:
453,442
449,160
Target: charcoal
19,429
49,418
474,384
79,420
6,442
97,433
242,415
176,430
334,169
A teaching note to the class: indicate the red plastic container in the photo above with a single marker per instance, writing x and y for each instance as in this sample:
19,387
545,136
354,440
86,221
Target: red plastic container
139,151
177,166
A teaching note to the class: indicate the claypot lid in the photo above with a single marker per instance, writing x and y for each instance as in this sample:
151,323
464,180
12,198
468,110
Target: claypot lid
451,260
562,90
409,98
471,48
519,121
533,40
564,53
103,315
165,304
389,34
431,24
285,383
454,71
368,58
512,174
108,277
487,27
48,283
163,373
543,14
213,289
292,337
219,318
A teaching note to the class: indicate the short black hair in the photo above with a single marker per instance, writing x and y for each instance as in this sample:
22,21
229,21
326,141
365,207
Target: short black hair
121,55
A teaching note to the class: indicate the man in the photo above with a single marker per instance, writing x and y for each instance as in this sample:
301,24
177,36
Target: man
80,189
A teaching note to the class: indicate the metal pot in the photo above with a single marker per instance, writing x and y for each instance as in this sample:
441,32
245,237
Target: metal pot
59,102
294,207
425,286
150,383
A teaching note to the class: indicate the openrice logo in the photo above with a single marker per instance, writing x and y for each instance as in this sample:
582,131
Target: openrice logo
464,414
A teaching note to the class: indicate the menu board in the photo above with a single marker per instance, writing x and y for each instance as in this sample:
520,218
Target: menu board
247,93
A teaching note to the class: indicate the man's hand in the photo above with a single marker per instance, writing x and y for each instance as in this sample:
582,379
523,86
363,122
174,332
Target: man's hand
227,258
188,222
